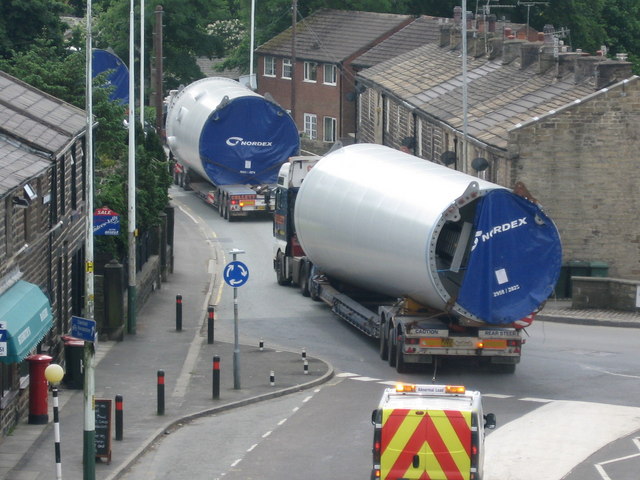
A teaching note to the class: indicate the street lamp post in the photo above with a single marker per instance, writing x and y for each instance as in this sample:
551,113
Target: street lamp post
54,373
236,347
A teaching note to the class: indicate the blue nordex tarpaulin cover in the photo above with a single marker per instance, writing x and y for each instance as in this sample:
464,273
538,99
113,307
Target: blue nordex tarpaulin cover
117,76
246,140
514,262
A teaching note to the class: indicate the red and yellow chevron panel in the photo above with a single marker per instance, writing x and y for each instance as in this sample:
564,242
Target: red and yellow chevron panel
426,444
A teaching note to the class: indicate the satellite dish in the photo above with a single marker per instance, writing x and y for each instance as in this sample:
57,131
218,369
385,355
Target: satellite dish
448,157
480,164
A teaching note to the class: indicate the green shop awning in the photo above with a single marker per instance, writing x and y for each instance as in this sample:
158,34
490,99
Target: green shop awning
26,314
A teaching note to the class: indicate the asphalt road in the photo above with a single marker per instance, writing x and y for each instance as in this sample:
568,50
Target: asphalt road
569,412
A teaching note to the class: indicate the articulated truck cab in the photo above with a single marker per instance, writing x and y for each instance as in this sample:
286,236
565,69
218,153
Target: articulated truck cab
429,431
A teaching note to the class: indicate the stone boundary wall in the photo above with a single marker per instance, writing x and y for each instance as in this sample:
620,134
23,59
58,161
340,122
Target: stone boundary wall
605,293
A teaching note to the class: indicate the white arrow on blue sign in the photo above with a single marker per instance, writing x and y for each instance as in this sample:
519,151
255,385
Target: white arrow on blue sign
236,274
83,329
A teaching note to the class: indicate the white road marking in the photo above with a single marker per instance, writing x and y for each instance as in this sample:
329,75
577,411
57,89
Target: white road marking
184,210
600,468
533,399
549,441
601,370
366,379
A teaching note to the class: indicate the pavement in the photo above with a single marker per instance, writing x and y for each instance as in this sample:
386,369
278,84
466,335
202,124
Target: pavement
130,368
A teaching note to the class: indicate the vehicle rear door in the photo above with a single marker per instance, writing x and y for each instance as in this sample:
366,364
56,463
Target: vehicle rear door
425,444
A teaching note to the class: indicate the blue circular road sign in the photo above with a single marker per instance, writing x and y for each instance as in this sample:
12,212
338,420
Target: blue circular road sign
236,274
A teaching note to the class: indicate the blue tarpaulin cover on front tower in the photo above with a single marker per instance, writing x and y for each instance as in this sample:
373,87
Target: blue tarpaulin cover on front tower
514,262
117,76
232,154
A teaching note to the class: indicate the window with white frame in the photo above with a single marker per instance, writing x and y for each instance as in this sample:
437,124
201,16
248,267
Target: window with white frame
329,134
310,71
386,114
330,74
269,66
286,68
419,139
311,125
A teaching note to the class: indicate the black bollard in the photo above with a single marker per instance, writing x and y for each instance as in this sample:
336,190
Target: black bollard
211,319
178,313
160,392
119,417
216,377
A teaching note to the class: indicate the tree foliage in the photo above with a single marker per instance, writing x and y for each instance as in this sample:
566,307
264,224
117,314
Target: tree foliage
61,72
23,21
185,34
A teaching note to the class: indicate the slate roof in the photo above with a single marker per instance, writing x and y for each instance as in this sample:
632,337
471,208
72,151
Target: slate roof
208,68
422,30
499,96
34,128
332,36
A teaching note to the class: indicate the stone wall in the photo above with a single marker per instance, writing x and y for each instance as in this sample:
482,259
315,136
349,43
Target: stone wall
583,162
605,293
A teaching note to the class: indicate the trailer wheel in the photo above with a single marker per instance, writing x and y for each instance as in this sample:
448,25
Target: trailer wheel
281,274
314,294
304,279
391,354
384,346
226,209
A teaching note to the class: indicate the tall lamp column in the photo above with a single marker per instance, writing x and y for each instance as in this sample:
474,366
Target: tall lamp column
54,373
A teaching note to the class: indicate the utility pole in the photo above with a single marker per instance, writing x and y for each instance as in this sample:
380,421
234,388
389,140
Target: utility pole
142,64
464,86
294,16
131,290
157,47
252,77
88,438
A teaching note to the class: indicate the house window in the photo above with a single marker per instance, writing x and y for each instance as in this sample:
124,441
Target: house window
386,114
286,68
74,178
269,66
330,74
310,71
311,125
419,139
63,187
330,129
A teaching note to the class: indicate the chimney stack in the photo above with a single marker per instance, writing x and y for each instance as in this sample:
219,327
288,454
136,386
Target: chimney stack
611,71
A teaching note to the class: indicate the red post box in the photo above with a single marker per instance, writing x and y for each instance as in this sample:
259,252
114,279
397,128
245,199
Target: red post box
38,391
